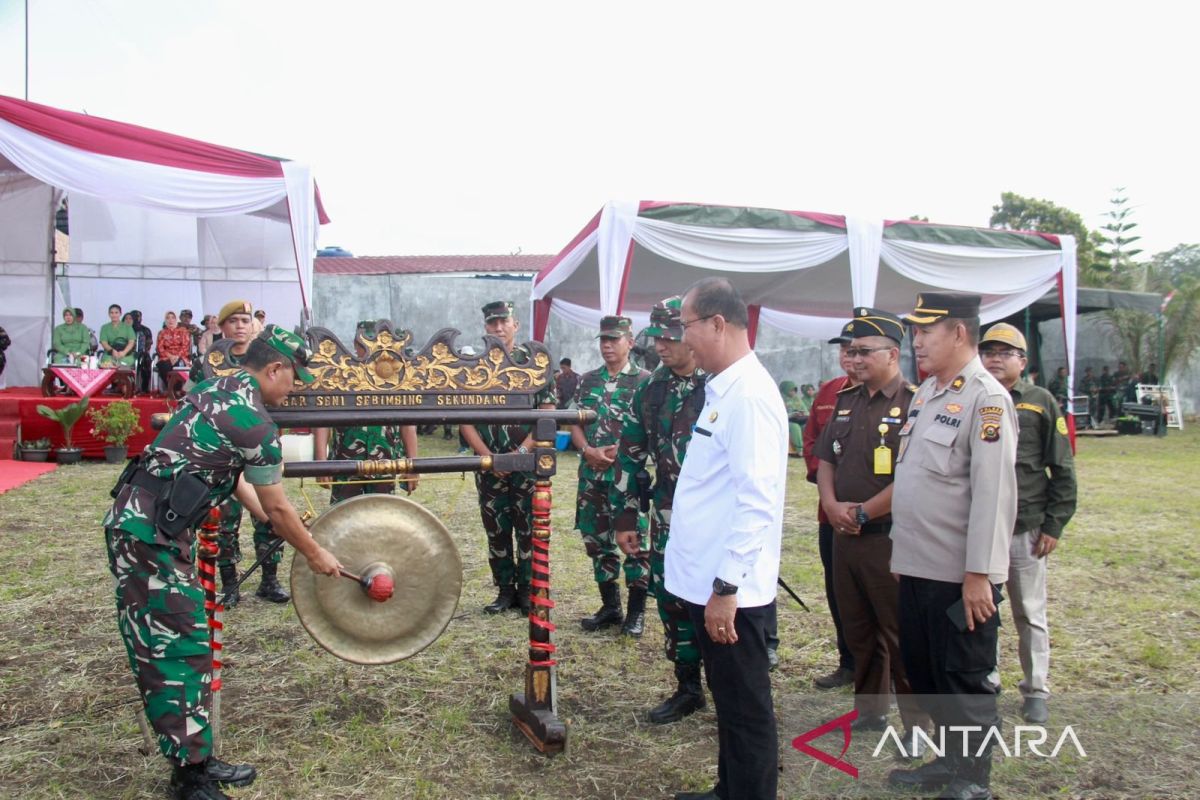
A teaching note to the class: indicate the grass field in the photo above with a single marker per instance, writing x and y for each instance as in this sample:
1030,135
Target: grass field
1125,597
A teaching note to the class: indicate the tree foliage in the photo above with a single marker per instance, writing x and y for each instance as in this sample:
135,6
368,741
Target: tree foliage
1174,274
1018,213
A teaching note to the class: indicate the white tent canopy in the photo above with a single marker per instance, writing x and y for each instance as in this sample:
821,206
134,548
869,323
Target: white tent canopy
156,222
798,271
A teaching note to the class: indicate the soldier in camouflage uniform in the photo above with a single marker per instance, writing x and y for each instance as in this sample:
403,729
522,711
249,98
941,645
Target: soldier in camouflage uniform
228,352
362,443
608,391
219,441
658,428
506,499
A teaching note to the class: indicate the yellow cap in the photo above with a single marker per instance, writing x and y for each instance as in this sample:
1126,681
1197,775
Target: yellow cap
1008,334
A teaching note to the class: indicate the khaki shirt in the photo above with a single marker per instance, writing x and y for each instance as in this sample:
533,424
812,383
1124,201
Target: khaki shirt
955,497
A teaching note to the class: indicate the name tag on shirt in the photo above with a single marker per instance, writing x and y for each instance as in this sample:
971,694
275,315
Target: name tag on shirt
698,429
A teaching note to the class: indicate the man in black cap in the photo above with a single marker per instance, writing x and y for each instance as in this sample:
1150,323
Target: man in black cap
952,522
506,500
608,390
858,453
818,417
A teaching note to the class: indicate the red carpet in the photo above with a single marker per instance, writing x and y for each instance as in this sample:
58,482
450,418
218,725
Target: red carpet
26,399
15,473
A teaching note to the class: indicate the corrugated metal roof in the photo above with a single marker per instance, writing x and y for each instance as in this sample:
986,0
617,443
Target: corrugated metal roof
418,265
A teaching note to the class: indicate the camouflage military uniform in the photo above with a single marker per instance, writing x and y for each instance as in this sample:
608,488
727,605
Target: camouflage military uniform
230,521
506,501
361,443
595,514
221,430
659,427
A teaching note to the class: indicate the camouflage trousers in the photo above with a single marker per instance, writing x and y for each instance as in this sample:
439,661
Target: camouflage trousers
679,634
506,508
229,551
344,491
160,613
595,518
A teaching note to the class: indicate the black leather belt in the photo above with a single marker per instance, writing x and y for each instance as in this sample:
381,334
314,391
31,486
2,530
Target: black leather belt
875,527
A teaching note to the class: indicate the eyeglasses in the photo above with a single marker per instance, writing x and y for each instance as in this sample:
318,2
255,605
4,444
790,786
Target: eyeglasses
856,352
690,322
1004,354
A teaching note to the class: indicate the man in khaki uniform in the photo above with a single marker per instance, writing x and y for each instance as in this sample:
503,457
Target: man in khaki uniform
1045,504
953,510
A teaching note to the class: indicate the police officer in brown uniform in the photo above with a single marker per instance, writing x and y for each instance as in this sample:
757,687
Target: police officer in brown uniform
953,510
858,453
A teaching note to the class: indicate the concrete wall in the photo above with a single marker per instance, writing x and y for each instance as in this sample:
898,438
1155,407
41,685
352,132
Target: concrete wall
426,303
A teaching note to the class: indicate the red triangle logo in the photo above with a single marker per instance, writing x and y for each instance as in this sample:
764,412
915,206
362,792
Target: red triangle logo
843,723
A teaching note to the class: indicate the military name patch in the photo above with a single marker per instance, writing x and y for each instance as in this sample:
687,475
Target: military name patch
953,422
1031,407
989,418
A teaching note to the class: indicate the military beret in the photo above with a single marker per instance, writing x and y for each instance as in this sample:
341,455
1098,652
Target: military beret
234,307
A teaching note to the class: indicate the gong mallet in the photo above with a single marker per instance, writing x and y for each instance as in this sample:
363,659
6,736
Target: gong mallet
377,580
788,589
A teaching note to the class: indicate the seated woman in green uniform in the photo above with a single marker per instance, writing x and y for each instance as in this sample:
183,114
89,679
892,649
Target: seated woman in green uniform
117,340
70,341
797,406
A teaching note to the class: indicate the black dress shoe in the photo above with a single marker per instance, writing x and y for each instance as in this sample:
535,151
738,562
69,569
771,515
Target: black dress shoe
869,722
711,794
839,677
927,777
1034,710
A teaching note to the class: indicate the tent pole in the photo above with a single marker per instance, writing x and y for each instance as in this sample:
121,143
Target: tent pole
1029,338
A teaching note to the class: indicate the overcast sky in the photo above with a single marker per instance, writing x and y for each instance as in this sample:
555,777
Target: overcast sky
488,127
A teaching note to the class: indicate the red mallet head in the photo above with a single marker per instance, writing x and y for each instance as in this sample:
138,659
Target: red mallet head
379,586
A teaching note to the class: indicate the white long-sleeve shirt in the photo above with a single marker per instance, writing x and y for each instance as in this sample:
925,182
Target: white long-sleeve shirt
727,513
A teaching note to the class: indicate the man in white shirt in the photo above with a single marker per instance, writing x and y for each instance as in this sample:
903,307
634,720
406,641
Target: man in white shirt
723,555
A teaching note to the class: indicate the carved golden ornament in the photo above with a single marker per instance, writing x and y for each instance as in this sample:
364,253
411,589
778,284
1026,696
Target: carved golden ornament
541,685
389,365
546,463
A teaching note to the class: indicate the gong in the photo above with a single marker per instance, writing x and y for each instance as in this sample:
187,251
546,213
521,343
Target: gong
372,534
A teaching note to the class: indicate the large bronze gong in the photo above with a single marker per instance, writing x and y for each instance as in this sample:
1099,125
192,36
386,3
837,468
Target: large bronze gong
379,533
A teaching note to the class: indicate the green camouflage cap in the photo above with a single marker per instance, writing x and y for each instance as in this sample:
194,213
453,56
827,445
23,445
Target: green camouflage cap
498,309
665,320
614,327
290,345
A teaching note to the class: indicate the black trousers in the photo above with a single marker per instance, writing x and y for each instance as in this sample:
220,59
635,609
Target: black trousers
947,668
738,677
825,536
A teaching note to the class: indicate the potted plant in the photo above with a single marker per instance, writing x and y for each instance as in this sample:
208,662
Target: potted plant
66,416
115,423
36,450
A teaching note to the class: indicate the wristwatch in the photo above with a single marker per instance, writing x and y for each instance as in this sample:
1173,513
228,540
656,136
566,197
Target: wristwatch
861,516
723,589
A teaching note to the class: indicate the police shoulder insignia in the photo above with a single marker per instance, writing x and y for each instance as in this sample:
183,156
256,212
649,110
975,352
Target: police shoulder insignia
958,383
1061,425
989,418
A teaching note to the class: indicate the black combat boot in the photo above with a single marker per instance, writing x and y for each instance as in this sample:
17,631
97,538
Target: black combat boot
505,600
229,576
269,589
191,782
972,776
609,613
927,777
523,602
635,614
688,698
227,774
